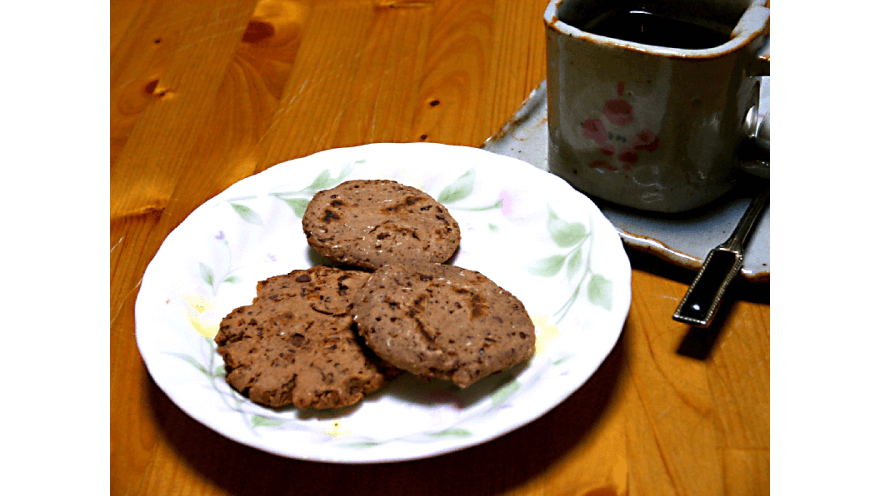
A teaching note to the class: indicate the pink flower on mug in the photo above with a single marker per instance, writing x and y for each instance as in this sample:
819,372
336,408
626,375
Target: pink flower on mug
628,156
594,129
616,136
646,140
618,111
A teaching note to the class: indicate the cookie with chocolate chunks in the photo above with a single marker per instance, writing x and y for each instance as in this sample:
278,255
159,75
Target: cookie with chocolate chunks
370,223
295,344
443,321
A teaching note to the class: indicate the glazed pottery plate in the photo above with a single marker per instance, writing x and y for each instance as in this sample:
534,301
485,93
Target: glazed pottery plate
524,228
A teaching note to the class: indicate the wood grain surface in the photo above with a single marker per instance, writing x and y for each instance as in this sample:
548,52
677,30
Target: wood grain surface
205,93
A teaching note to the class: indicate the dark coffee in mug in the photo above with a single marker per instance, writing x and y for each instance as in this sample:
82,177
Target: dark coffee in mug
641,26
634,118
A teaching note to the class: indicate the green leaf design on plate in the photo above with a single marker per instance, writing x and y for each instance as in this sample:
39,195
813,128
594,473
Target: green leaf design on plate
565,234
192,361
363,444
599,290
326,180
299,199
261,421
216,279
206,273
323,181
503,394
452,432
460,189
577,240
548,267
247,214
220,371
574,263
562,360
297,204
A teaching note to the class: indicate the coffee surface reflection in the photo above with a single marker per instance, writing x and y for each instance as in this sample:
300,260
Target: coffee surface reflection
643,27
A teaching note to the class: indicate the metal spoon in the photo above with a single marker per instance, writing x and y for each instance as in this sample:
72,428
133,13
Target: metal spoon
700,303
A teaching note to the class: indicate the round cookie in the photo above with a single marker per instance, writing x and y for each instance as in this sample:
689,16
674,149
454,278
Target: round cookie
443,321
370,223
295,344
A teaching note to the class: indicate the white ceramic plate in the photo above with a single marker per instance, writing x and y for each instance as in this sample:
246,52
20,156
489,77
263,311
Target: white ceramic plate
525,229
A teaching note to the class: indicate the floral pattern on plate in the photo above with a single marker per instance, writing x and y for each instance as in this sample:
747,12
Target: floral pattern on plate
525,229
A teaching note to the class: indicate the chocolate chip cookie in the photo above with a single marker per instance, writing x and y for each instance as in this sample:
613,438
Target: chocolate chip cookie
442,321
370,223
295,344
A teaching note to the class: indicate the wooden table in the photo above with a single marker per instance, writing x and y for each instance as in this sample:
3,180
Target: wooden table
206,93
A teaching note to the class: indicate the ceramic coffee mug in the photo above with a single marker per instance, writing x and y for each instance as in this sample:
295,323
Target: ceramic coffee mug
647,106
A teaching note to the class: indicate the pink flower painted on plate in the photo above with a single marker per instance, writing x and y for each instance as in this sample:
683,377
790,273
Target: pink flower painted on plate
516,205
506,203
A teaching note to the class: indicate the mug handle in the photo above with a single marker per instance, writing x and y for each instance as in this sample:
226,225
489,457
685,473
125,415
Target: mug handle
763,65
755,149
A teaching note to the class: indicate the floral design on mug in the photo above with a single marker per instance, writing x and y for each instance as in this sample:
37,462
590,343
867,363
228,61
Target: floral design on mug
624,145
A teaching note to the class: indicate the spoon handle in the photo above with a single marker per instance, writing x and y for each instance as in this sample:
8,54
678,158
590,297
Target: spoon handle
700,303
747,222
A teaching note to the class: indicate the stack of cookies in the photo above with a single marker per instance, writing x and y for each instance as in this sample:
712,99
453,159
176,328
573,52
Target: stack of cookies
326,337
